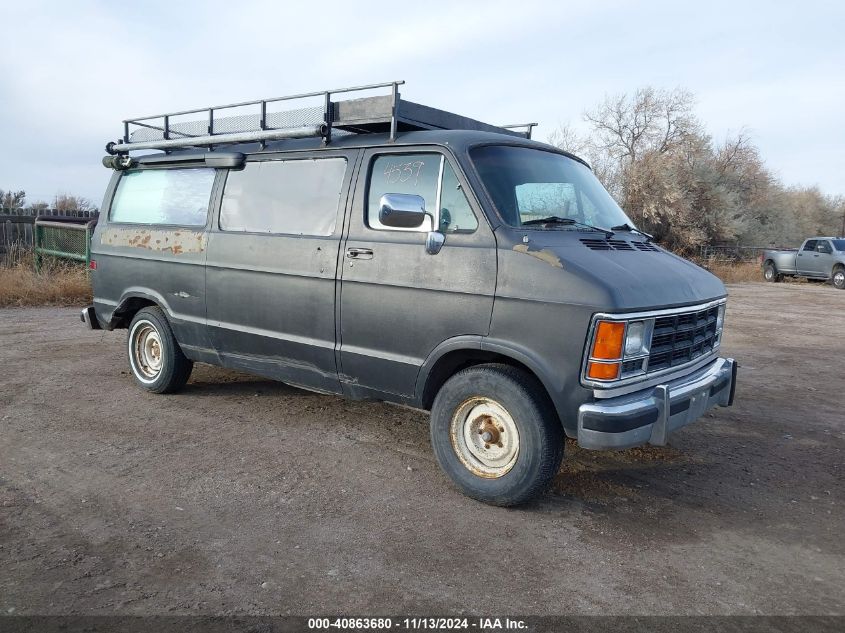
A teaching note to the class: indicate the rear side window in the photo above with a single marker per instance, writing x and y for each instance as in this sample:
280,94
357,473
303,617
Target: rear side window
810,245
296,197
163,196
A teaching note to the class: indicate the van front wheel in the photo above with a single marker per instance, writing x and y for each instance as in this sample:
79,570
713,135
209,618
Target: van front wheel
496,434
155,358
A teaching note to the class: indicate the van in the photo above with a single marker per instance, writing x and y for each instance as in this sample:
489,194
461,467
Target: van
375,248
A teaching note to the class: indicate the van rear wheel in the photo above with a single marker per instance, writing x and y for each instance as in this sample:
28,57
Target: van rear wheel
155,358
496,434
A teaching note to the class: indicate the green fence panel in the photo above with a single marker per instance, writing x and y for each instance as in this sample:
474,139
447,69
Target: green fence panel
64,240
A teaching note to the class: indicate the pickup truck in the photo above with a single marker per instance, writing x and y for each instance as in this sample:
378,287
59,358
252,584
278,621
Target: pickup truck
819,258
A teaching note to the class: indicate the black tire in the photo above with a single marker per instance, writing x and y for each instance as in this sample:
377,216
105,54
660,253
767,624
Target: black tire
838,277
151,338
770,273
539,449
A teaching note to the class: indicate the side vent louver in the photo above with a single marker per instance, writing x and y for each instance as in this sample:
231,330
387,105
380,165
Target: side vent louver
618,245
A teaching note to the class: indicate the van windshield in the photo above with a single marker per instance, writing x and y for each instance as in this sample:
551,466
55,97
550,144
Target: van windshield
529,185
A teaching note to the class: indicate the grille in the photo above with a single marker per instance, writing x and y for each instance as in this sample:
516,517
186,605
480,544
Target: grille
681,338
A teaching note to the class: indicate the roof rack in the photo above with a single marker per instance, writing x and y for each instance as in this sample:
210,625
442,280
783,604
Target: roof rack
262,120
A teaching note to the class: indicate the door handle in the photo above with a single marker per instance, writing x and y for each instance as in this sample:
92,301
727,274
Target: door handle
359,253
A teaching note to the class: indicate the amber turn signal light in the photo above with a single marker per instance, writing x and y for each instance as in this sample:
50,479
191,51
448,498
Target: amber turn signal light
603,371
609,339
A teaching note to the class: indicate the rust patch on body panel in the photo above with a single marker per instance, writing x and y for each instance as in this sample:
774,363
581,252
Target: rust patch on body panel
161,240
542,254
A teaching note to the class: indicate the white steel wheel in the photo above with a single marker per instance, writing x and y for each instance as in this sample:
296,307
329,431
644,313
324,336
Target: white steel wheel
496,434
155,357
145,351
839,278
485,437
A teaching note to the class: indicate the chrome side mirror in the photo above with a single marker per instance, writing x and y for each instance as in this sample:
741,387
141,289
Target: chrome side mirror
407,211
402,211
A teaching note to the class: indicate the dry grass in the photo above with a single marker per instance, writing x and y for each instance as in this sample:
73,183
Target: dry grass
734,272
59,283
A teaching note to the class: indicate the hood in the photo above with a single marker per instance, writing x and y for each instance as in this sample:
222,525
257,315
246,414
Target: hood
622,273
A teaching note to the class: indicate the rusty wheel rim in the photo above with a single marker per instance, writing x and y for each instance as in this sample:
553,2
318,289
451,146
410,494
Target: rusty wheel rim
145,353
485,437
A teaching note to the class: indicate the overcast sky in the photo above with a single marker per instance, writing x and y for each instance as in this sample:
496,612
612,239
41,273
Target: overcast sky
71,71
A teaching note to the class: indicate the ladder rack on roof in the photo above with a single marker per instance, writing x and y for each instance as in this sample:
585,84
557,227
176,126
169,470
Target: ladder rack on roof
260,121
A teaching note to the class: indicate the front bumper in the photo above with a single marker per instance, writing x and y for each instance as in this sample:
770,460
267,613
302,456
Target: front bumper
647,417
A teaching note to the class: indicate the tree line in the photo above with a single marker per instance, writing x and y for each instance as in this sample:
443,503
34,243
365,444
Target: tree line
675,181
12,201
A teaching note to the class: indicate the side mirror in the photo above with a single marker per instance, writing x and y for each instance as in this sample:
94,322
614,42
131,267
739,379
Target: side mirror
402,211
407,211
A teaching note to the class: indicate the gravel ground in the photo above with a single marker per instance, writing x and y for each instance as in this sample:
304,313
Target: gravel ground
243,496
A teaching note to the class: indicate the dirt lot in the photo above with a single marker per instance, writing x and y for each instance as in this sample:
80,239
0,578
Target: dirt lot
246,496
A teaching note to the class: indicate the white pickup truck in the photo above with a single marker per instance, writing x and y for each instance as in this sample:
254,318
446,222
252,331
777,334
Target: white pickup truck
819,258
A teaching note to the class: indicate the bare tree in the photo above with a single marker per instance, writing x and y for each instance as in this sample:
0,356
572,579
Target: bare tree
650,120
12,200
565,137
65,203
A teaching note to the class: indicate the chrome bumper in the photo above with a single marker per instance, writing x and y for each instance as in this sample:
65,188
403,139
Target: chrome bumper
89,318
647,417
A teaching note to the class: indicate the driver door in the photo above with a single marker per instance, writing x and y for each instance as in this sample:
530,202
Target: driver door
397,302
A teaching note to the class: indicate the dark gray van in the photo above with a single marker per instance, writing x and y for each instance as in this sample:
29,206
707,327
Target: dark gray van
376,248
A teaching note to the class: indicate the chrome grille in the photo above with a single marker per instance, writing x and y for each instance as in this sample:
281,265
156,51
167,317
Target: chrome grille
681,338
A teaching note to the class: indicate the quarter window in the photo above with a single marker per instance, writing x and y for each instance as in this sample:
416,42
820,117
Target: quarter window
296,197
163,196
456,216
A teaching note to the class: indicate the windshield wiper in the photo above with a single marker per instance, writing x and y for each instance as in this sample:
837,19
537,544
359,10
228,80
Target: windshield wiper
556,219
631,229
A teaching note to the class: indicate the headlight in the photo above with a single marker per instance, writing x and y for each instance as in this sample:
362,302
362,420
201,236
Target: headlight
616,348
638,338
720,321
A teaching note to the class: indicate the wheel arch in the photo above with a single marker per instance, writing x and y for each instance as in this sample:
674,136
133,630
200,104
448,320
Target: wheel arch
132,302
459,353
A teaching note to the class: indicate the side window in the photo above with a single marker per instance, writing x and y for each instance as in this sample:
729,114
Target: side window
163,196
810,245
456,216
298,197
541,199
402,173
824,247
